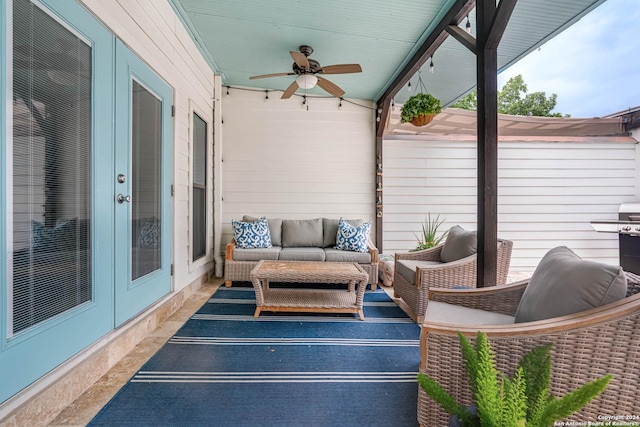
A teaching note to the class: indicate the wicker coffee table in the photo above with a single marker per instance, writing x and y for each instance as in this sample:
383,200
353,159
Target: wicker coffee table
306,300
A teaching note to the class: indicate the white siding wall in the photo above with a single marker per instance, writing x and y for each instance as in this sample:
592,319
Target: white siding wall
159,38
548,193
281,160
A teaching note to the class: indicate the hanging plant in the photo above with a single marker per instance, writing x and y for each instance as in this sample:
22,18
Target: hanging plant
420,109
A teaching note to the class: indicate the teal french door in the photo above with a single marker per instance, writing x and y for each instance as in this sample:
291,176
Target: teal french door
85,186
56,169
142,186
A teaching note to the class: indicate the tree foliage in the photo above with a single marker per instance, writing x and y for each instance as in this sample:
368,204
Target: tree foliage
513,99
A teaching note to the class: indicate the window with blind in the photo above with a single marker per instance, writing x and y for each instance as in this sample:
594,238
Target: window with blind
199,184
50,184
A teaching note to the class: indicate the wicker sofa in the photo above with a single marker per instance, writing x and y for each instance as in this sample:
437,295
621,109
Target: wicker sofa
297,240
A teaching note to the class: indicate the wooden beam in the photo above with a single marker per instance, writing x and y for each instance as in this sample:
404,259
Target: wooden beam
454,16
463,37
499,23
487,76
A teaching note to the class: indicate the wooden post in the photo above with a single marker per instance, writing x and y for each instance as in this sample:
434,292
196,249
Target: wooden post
487,75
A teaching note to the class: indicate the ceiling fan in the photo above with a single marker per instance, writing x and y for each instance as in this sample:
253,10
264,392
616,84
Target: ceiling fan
307,70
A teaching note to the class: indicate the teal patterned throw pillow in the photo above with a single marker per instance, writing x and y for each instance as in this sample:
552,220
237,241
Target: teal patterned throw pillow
250,235
350,238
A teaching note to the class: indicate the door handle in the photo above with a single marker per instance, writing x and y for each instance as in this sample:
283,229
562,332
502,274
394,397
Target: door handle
121,199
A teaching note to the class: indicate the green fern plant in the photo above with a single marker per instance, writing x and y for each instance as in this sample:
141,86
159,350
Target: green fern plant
521,401
429,237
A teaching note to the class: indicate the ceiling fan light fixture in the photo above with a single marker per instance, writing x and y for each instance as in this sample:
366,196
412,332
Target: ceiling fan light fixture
306,81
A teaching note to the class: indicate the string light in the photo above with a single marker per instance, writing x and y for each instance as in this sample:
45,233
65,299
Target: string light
468,26
409,86
266,97
432,68
341,99
340,105
304,102
393,104
227,90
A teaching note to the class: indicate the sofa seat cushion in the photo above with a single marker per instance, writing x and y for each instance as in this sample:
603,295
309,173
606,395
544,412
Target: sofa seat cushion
563,283
301,254
407,268
256,254
338,255
330,229
440,312
275,228
459,244
302,233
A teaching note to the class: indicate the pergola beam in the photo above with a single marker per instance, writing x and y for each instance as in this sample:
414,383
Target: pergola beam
454,16
499,23
463,37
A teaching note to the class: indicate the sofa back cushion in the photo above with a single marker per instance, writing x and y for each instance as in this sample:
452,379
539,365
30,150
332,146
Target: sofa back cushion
563,283
330,230
302,233
275,228
459,244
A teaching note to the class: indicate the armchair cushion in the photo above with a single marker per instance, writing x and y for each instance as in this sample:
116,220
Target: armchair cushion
459,244
440,312
563,283
407,268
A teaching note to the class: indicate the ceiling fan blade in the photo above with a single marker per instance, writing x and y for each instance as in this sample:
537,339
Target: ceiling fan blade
293,87
330,87
341,69
300,59
264,76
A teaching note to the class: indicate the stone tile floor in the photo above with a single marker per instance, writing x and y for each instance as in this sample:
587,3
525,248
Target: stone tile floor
83,409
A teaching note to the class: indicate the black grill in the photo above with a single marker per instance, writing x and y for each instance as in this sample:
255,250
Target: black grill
628,229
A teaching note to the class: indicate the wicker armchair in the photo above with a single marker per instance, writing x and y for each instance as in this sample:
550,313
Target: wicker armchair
442,275
586,345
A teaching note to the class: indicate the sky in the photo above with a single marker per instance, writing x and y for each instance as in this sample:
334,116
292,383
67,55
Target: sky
593,66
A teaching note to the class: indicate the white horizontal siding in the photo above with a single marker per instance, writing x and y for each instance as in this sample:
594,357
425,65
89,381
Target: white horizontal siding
281,160
548,192
154,32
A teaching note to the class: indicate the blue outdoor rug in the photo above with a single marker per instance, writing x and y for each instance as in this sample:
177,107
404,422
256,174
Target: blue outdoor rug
226,368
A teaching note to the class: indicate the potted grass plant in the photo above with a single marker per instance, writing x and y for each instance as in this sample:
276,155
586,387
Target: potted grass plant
429,237
523,400
420,109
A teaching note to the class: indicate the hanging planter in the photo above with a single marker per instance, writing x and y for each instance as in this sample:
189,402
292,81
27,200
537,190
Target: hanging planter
422,120
420,109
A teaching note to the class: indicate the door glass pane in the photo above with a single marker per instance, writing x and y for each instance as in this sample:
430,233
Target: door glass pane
50,254
146,173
